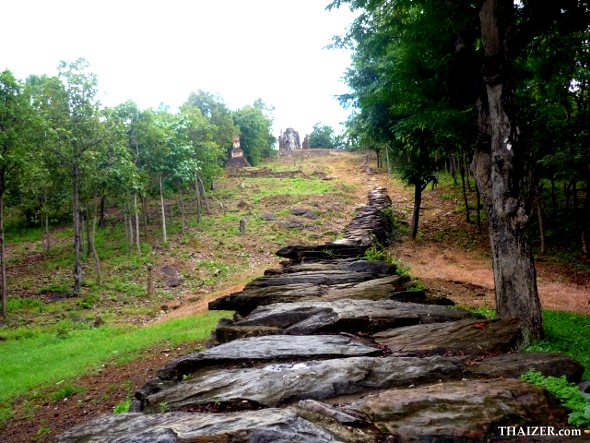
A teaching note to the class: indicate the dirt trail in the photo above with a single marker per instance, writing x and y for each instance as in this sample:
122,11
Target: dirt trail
454,265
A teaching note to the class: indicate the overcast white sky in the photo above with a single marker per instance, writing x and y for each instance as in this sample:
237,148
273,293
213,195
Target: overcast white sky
154,51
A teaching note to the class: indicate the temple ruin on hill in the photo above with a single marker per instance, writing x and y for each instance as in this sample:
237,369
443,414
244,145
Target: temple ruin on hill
237,159
290,141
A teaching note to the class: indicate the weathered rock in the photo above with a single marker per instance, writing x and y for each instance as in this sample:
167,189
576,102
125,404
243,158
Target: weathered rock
267,216
461,338
420,297
515,364
284,383
268,425
304,213
292,223
375,267
371,224
347,315
275,347
315,278
246,301
321,252
470,410
226,333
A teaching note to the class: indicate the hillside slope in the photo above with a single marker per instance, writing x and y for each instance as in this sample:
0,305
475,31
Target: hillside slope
449,258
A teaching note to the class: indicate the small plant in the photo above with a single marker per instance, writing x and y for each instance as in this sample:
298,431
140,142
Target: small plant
6,413
568,393
41,432
485,311
122,407
66,391
64,328
164,407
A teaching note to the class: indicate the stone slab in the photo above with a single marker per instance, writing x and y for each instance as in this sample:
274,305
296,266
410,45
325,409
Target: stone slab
269,348
281,384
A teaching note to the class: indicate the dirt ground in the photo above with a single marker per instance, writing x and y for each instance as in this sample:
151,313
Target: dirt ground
455,265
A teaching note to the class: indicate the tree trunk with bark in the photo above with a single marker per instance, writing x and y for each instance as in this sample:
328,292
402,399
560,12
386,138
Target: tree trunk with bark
46,215
163,210
198,195
3,289
465,198
500,173
77,230
92,244
136,219
418,188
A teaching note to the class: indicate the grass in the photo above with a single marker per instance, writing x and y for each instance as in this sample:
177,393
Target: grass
568,333
564,332
48,357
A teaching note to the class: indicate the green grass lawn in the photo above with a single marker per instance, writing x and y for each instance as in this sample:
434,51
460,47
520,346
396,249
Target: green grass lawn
33,362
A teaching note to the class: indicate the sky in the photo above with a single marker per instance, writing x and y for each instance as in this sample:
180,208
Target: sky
159,51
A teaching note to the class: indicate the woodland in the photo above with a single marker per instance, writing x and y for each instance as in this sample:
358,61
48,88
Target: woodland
63,155
501,89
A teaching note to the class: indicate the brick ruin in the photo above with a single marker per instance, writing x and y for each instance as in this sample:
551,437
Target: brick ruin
289,141
237,159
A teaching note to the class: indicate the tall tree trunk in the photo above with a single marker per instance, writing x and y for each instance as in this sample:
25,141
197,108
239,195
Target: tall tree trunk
3,288
47,238
500,172
465,198
553,199
101,222
77,230
418,188
88,222
453,168
204,194
136,218
478,212
181,208
92,244
198,195
82,230
537,204
163,210
466,171
144,211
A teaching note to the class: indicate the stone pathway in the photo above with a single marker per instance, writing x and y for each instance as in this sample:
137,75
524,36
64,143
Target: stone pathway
335,348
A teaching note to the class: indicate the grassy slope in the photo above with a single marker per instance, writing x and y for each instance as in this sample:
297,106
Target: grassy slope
48,342
50,337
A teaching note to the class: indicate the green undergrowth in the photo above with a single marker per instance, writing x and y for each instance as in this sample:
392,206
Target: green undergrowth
44,358
568,333
568,393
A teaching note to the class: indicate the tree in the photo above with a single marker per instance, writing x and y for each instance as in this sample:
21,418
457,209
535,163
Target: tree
208,154
15,138
217,114
73,117
463,40
402,90
502,156
255,128
322,136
